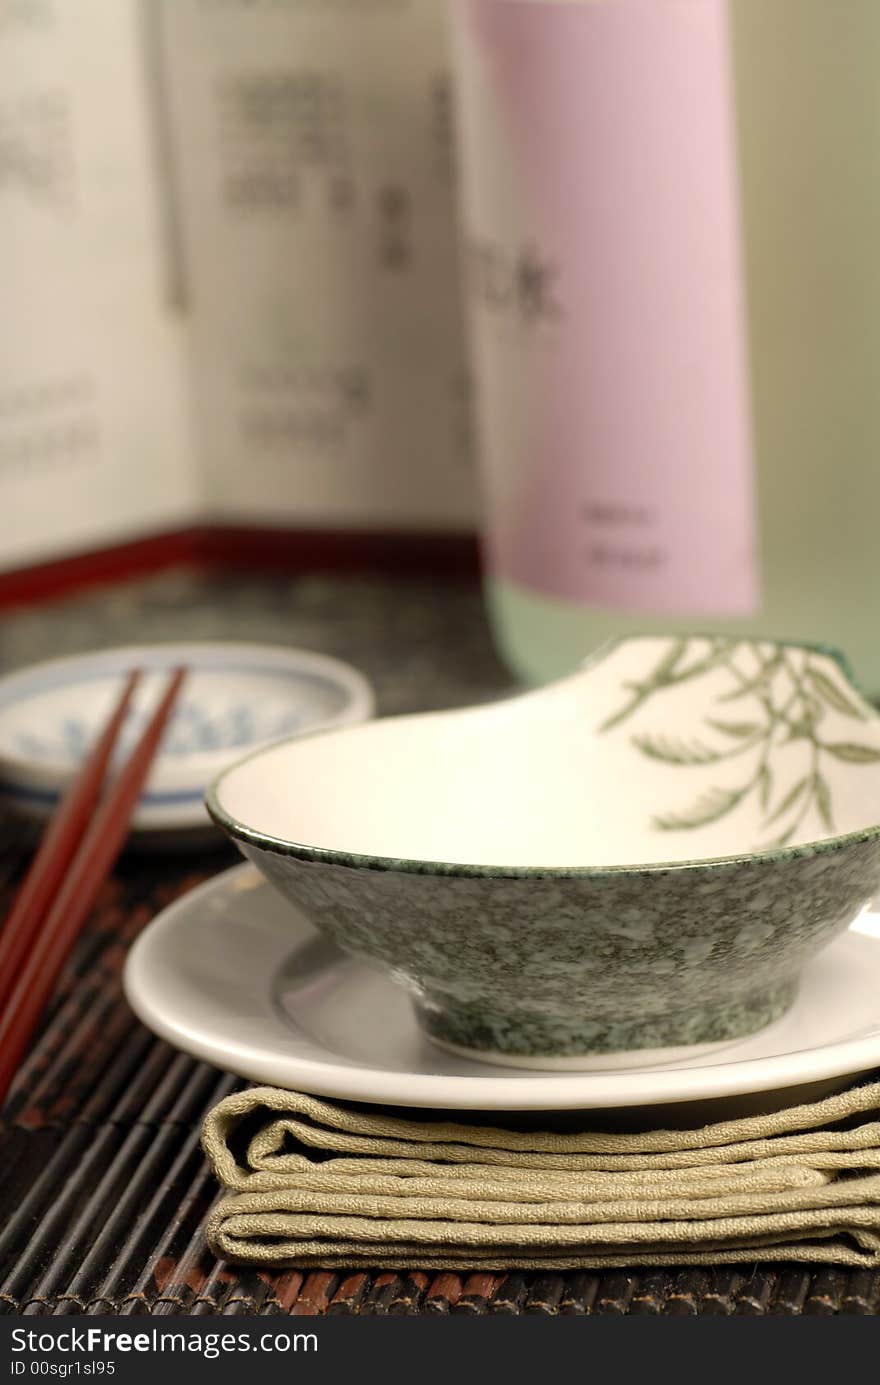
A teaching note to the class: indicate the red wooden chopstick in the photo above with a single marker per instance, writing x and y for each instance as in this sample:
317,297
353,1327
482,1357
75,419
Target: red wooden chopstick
53,938
58,845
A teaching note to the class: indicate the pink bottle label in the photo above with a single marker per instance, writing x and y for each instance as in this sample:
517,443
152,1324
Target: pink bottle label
606,300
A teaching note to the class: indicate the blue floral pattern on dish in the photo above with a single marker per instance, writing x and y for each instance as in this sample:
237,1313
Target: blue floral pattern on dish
194,730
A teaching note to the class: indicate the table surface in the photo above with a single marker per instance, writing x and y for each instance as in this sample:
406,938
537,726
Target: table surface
104,1191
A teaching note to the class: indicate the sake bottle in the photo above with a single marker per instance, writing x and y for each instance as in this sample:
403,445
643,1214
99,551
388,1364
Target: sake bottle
671,216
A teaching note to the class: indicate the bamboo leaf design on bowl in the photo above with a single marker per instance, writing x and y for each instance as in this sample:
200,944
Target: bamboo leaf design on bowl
830,693
855,754
712,805
787,696
678,752
742,730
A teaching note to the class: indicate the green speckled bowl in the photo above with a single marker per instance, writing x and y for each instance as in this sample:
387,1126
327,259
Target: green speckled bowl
641,856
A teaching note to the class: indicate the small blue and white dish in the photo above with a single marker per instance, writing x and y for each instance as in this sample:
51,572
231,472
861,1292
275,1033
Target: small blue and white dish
237,697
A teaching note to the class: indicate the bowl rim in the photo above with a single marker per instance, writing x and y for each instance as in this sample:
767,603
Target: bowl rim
317,855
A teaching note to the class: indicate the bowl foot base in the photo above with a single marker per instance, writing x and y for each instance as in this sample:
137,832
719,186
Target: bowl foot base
531,1040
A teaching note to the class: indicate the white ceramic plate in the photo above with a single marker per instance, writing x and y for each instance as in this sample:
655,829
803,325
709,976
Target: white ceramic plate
237,697
232,974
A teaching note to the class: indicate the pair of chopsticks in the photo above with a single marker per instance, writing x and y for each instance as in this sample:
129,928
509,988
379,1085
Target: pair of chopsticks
81,844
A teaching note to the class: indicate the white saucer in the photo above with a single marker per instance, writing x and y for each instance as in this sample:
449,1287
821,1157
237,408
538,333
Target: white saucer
232,974
237,697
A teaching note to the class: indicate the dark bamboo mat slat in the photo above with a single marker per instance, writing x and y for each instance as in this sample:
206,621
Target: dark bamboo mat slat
579,1294
682,1293
826,1292
511,1295
650,1294
862,1295
543,1295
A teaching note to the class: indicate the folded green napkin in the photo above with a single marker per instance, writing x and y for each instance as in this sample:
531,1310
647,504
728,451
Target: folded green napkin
318,1183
